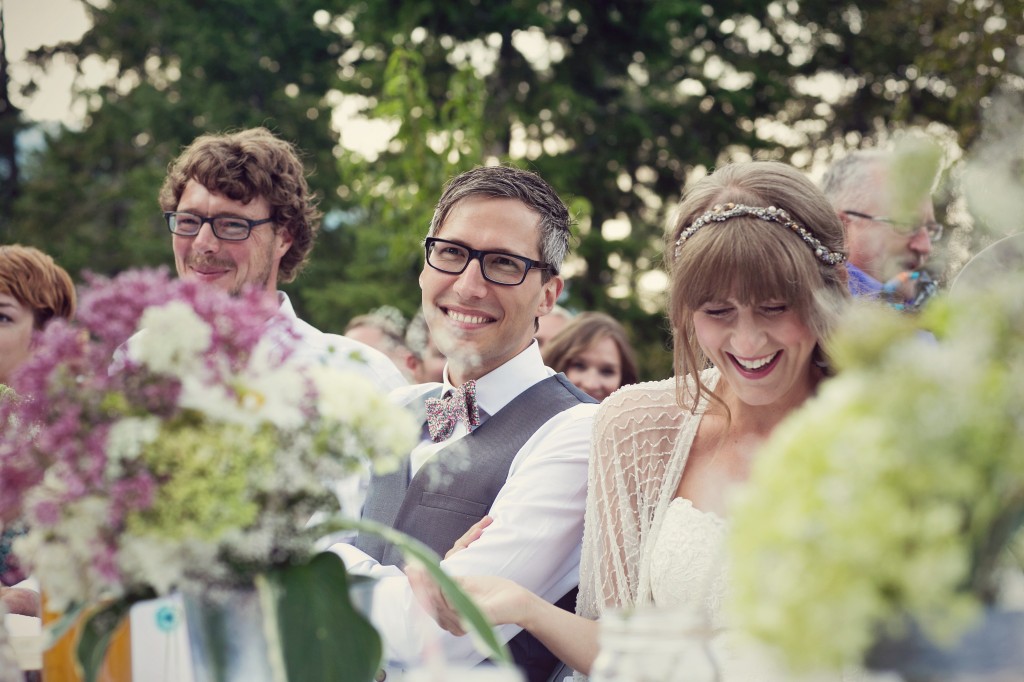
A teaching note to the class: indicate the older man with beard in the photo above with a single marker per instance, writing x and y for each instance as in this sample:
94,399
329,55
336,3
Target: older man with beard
887,252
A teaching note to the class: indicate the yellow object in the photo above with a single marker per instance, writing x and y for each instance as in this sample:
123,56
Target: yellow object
60,663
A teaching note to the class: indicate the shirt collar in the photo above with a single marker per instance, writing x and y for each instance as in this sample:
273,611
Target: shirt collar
284,305
499,387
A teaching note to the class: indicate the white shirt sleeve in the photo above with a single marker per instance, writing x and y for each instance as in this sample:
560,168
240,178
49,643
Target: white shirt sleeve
534,540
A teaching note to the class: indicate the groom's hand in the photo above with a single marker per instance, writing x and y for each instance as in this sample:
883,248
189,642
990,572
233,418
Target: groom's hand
431,598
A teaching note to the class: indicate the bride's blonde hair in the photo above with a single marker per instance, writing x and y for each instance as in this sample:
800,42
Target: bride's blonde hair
750,259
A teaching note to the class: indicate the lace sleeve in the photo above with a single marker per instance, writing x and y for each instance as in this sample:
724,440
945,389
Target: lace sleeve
634,434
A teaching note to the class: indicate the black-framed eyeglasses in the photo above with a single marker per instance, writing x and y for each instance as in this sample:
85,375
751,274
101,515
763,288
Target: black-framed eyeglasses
933,228
498,267
228,228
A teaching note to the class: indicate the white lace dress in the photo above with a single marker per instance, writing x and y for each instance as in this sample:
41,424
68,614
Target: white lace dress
688,573
643,546
641,441
687,561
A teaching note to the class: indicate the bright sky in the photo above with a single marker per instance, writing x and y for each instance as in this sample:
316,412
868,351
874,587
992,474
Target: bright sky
31,24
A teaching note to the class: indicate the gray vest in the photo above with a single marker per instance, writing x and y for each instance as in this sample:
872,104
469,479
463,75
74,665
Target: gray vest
458,486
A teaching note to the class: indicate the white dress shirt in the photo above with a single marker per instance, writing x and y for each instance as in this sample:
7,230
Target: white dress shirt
340,352
538,520
314,347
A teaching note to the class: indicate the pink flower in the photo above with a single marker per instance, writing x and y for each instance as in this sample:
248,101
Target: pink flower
46,513
80,382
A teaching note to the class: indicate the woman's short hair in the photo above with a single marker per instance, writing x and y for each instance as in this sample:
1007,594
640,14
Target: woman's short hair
33,279
243,166
751,259
582,332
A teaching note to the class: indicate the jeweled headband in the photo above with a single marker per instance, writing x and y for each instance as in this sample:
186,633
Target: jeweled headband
720,213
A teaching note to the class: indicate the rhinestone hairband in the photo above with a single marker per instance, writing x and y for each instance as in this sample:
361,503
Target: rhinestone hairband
720,213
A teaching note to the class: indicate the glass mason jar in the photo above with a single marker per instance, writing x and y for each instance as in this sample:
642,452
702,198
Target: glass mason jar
225,631
654,645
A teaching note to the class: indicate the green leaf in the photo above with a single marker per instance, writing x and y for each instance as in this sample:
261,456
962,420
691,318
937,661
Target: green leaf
412,548
54,630
321,635
97,631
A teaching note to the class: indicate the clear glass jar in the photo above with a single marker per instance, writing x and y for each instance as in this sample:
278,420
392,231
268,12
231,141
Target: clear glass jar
654,645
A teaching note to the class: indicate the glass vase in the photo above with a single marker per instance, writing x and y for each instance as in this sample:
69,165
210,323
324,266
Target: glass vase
654,645
226,634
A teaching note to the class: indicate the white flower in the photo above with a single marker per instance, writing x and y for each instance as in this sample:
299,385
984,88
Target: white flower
263,393
161,561
172,340
341,395
273,392
889,492
126,439
64,556
379,428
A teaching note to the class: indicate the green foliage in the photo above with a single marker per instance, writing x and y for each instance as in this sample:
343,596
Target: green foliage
415,551
913,62
600,116
615,104
917,162
321,634
97,631
897,492
89,197
393,195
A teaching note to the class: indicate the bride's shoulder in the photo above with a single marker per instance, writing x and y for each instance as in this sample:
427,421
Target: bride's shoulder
644,393
648,403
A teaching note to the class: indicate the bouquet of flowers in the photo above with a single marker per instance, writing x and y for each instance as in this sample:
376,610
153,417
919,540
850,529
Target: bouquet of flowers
896,495
171,437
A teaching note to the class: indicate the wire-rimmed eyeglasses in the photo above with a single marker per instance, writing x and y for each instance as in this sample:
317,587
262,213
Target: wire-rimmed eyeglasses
498,267
933,228
228,228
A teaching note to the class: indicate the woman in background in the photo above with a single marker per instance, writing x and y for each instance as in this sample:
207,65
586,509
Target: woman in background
594,353
33,291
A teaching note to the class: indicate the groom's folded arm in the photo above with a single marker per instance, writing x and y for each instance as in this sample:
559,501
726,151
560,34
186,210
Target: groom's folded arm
534,540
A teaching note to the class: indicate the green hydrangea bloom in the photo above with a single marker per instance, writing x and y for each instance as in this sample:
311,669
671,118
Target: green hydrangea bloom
894,493
205,471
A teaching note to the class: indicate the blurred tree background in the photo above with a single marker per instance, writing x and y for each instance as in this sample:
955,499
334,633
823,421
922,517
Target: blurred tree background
616,103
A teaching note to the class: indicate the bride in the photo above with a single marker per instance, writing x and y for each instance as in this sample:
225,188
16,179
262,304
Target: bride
757,281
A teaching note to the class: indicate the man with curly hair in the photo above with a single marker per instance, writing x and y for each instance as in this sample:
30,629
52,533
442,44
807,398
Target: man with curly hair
241,215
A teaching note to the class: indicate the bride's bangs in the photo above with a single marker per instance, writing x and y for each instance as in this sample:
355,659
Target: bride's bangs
748,260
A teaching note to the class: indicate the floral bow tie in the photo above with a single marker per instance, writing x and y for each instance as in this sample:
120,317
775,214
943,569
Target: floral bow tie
442,413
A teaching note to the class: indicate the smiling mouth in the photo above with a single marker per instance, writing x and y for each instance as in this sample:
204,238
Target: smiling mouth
209,269
465,318
757,366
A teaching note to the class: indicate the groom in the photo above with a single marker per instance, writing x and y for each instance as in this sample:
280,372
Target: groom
503,435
